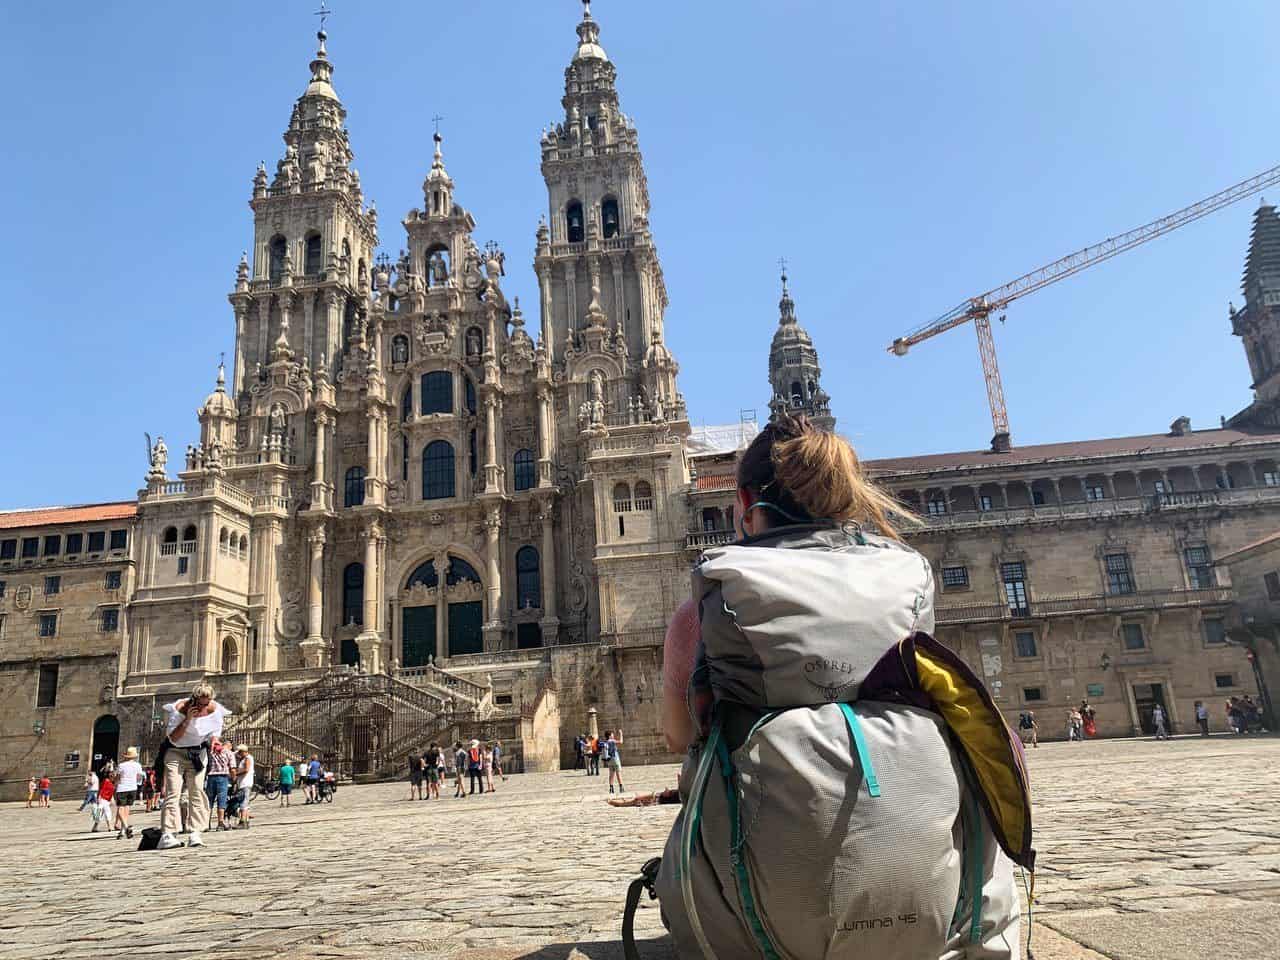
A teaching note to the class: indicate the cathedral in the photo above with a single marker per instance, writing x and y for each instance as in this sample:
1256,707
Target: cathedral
414,513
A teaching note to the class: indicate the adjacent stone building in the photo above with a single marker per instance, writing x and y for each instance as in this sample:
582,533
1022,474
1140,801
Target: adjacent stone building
413,514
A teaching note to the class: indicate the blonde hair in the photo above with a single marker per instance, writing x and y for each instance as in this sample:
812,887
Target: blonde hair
201,689
809,474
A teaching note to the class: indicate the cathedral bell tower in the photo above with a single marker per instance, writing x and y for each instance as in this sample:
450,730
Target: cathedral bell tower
794,373
1258,324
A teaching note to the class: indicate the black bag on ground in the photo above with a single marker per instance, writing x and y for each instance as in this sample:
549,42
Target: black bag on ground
150,838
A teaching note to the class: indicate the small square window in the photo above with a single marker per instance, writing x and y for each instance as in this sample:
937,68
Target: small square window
52,585
1095,493
1272,581
1270,478
1037,498
1133,637
1215,630
110,620
1024,643
1032,694
48,624
113,580
119,539
175,662
97,541
984,503
936,508
30,547
1224,681
52,545
182,565
502,699
1158,486
8,549
75,542
955,578
47,689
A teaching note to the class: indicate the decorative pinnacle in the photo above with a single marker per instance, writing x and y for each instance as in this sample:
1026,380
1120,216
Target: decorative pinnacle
222,373
782,264
586,9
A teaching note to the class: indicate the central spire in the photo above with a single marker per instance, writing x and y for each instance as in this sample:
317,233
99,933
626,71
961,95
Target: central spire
589,37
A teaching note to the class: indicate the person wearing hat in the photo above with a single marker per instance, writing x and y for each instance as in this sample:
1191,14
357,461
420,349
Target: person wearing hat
475,769
129,776
244,782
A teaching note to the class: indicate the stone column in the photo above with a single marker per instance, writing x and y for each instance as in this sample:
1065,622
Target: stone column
550,619
546,423
371,474
493,572
313,646
237,368
368,640
1164,478
492,473
548,322
319,493
334,304
571,295
1253,473
264,328
309,330
442,607
646,298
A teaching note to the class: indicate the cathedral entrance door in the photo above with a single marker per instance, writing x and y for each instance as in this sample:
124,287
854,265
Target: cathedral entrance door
419,637
1145,697
465,621
106,741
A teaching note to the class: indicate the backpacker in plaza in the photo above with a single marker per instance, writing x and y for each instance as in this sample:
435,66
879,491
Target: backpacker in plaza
857,785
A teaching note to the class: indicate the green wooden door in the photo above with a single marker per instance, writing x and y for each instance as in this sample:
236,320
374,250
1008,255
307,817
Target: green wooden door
465,621
419,636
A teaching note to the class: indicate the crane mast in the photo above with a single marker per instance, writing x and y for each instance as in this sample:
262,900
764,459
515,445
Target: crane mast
979,309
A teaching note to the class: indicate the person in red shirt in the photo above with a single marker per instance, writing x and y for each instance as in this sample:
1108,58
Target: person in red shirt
46,787
102,809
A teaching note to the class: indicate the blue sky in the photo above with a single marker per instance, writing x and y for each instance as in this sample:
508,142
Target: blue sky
901,156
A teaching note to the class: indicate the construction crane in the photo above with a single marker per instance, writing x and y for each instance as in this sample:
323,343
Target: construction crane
980,308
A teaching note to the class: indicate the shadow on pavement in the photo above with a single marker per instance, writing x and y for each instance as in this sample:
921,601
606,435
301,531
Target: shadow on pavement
659,949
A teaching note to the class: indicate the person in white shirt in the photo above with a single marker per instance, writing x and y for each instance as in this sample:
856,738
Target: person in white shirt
184,751
129,778
90,791
244,782
1157,718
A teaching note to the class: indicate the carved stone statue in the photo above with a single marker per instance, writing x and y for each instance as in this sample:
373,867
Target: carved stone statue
277,419
474,343
439,270
399,350
597,386
159,457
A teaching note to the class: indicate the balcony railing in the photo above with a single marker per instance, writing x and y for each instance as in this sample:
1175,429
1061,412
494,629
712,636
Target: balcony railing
1117,506
961,613
708,538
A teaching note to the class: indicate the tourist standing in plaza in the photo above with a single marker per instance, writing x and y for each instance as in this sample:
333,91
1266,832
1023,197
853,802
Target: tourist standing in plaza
244,783
286,784
486,762
217,781
415,777
1202,718
613,757
497,760
1088,722
459,765
313,780
129,779
102,809
475,770
46,788
593,756
1158,721
148,790
579,751
32,787
183,756
90,791
441,767
431,767
1028,728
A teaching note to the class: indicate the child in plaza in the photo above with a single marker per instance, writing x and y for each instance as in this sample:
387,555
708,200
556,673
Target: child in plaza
101,809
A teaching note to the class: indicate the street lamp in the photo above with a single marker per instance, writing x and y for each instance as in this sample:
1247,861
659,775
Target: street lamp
37,727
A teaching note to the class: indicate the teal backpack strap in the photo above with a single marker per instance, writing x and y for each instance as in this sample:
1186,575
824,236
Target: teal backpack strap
689,837
860,744
977,857
739,862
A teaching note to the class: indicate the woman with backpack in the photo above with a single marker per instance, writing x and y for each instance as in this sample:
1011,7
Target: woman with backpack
475,769
828,811
612,757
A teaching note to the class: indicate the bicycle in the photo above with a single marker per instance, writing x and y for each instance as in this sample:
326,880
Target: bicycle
266,788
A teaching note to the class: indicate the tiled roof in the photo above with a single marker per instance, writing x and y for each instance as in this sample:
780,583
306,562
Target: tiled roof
84,513
1076,450
717,482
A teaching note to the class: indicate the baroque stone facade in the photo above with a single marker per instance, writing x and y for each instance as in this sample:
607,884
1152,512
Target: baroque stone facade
400,487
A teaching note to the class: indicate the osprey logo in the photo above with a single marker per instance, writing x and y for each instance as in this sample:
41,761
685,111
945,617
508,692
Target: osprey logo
832,677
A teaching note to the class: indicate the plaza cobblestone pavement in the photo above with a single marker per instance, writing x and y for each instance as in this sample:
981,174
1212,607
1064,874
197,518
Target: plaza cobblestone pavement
1148,851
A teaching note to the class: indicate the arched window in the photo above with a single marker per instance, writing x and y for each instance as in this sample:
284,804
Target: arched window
353,492
576,225
170,535
437,392
609,217
797,393
425,575
622,498
474,459
230,656
460,572
313,263
437,471
244,547
406,404
275,258
222,540
644,495
528,579
469,389
189,534
400,349
524,470
353,594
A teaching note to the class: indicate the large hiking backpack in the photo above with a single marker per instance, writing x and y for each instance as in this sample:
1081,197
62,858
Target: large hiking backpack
857,785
